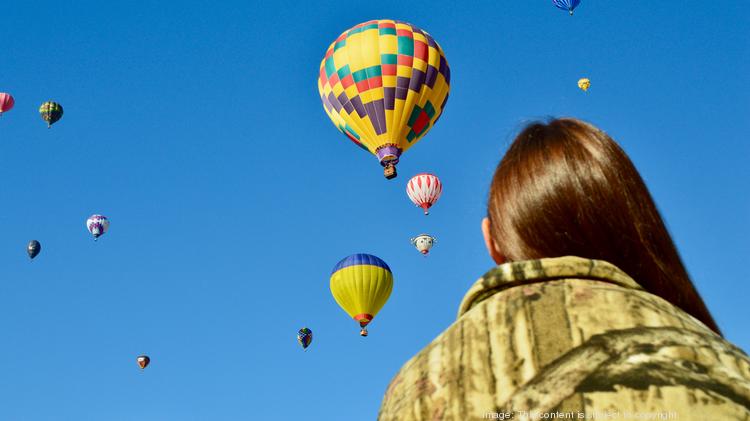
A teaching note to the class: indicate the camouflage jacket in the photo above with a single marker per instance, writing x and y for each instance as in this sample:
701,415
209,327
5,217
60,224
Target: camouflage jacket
570,338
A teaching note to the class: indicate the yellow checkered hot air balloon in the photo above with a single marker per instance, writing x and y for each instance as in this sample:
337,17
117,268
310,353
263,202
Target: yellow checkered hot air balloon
361,284
384,84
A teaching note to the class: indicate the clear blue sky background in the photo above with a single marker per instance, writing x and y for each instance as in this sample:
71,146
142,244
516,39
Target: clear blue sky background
198,130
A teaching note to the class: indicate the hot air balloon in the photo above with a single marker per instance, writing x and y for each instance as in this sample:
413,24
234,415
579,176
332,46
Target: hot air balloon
424,190
423,243
584,84
97,225
568,5
384,84
304,337
51,112
6,102
33,248
143,361
361,284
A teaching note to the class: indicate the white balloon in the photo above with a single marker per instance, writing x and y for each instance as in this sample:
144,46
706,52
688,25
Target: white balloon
423,243
97,225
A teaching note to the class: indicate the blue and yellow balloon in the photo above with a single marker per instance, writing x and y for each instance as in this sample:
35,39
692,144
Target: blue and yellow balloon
361,284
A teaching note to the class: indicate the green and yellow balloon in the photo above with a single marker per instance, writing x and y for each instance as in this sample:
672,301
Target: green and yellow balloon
51,112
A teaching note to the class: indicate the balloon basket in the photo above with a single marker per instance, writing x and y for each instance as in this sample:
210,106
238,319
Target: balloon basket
389,172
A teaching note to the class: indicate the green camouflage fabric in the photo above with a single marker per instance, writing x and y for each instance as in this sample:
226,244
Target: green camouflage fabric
570,338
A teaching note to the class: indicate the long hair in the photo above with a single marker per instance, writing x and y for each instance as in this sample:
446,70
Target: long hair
566,188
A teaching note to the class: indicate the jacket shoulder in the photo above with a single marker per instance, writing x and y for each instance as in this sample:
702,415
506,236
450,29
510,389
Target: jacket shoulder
575,344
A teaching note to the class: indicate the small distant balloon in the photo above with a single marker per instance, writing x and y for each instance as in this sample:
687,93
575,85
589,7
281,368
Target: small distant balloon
304,337
97,225
568,5
6,102
143,361
424,190
51,112
423,243
33,248
584,84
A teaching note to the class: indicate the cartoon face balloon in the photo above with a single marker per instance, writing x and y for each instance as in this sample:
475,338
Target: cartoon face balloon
423,243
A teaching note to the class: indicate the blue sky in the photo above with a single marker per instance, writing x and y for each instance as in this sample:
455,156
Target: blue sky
198,130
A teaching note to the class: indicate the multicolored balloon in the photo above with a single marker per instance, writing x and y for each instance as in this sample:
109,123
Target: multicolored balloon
143,361
584,84
51,112
6,102
568,5
304,337
424,190
33,249
97,225
423,243
361,285
384,84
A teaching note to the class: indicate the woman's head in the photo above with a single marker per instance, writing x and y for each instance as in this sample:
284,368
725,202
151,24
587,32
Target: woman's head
565,188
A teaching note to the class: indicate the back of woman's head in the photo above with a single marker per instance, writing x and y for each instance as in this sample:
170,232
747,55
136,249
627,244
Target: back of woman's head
566,188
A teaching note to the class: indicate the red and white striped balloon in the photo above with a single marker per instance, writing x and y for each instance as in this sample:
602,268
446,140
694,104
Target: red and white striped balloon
424,190
6,102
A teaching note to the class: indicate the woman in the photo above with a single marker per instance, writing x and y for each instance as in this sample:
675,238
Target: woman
590,313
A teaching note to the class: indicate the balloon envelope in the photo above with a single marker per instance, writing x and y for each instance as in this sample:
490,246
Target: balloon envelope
33,248
304,337
51,112
384,84
568,5
6,102
97,225
143,361
423,243
361,285
424,190
584,84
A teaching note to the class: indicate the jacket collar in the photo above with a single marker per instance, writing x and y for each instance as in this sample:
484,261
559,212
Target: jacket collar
512,274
